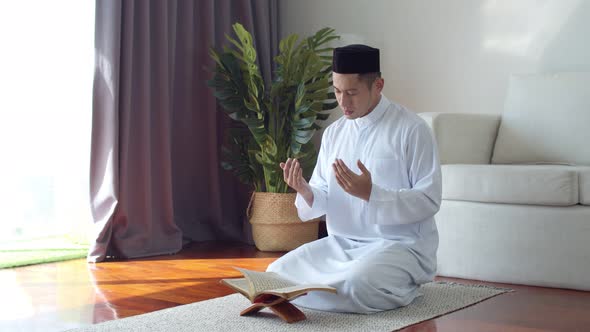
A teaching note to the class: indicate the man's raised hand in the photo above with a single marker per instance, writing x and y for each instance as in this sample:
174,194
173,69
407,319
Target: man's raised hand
293,176
352,183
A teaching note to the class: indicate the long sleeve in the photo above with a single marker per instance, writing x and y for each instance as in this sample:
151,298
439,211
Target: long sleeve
319,186
422,200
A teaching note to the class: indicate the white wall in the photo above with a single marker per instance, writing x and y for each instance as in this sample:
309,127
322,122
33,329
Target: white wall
453,55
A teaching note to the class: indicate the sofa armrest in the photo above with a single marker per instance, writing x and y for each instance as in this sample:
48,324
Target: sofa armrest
464,138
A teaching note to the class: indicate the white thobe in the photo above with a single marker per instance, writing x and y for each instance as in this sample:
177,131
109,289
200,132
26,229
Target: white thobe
377,253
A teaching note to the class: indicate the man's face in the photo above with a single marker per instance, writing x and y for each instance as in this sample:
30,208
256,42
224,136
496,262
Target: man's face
354,96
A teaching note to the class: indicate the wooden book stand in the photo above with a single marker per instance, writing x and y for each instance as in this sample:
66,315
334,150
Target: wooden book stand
280,306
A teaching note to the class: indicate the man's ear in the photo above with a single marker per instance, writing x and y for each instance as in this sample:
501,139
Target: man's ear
379,83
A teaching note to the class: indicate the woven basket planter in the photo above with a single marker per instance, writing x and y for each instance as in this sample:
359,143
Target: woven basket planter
275,223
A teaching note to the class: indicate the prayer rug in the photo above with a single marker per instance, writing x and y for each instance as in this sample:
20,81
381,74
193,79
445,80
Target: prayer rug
222,314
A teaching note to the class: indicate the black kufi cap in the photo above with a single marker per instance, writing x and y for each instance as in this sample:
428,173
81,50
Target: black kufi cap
355,59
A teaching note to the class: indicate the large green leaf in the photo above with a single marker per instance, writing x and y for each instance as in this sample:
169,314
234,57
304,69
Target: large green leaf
329,106
322,116
307,158
304,123
303,136
237,157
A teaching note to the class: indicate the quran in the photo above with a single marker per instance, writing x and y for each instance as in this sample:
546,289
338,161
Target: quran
270,290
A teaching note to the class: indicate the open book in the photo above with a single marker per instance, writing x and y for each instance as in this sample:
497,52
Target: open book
258,286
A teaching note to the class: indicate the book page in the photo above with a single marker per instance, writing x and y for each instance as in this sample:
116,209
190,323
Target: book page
293,292
306,287
241,285
262,281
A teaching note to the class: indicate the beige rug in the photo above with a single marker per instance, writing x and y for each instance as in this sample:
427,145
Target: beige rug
222,314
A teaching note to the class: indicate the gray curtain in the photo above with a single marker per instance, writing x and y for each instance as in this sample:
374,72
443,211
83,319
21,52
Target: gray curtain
155,179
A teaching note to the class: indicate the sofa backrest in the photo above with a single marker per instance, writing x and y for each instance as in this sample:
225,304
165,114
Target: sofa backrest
546,119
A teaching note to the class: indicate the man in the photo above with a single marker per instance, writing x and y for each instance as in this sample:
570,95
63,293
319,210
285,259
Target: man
378,181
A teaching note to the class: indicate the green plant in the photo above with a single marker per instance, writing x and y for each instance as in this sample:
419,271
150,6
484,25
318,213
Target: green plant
281,122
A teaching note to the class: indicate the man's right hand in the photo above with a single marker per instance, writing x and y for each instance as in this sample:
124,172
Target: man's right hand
293,176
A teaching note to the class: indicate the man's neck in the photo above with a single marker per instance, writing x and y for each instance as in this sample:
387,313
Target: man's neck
373,106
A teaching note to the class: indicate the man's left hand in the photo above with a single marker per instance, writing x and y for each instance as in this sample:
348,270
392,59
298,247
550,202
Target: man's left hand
354,184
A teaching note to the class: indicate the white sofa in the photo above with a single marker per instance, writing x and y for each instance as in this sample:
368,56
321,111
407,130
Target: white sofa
516,186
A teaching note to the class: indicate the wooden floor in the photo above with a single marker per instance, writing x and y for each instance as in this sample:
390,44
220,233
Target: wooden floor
60,296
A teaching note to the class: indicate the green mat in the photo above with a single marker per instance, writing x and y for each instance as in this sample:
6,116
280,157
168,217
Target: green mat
41,250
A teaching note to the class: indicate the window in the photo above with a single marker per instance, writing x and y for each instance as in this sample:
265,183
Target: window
46,73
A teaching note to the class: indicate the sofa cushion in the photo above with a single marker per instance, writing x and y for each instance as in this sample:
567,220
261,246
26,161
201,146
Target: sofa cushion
545,119
584,175
463,138
513,184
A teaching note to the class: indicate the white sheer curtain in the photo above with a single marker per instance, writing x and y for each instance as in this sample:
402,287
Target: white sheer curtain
46,70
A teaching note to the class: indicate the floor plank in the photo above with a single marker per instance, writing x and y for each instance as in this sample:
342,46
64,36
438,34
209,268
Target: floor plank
59,296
